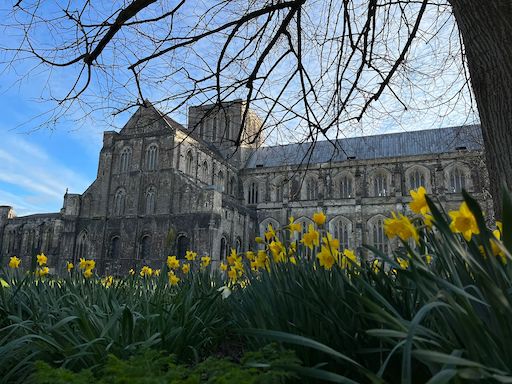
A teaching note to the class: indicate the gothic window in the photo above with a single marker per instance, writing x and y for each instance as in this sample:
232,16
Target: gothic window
416,179
151,157
150,201
223,249
228,127
380,184
201,129
189,164
119,202
82,246
145,247
346,191
252,193
311,189
220,181
232,186
279,191
114,247
238,245
379,240
342,229
182,246
126,155
457,180
205,172
214,128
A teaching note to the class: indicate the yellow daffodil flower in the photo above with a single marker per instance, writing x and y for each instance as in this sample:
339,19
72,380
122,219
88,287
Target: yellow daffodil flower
293,226
41,259
400,226
205,261
419,202
185,268
234,258
270,233
41,272
82,264
250,255
131,271
232,274
173,279
69,266
172,262
259,240
326,258
90,264
157,272
311,237
223,267
404,264
348,258
14,262
464,222
146,271
293,260
319,218
190,256
109,280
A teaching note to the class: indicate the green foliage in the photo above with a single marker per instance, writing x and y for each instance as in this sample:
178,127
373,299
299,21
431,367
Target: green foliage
439,321
266,366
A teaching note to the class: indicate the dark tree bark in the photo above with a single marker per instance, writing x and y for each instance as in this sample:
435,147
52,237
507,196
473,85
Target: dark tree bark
486,29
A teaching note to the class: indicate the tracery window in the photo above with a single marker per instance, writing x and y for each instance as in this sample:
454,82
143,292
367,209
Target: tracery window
119,202
311,189
82,246
252,193
379,239
189,163
457,180
150,201
380,184
205,172
416,179
151,157
346,187
342,232
126,155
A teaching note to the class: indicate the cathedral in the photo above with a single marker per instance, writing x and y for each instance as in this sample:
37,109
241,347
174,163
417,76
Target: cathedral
162,189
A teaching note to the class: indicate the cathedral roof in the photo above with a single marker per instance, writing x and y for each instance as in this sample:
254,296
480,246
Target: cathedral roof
426,142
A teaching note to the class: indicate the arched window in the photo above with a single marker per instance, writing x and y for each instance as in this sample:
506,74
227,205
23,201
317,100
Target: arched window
232,186
151,157
238,245
189,163
114,247
201,130
380,184
220,181
279,191
205,172
119,202
145,247
182,246
150,201
214,128
311,189
82,246
457,180
416,179
126,156
252,193
346,190
342,229
379,240
223,249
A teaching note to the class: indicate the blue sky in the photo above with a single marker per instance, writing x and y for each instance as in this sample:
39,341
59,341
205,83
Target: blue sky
39,162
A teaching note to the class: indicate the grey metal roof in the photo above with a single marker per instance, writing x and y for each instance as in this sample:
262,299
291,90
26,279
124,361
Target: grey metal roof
431,141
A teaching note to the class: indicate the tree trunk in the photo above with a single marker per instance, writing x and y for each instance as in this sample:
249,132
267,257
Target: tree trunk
486,29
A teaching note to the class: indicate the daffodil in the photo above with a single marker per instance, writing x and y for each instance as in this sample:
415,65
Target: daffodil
419,202
400,226
82,264
259,240
278,251
326,258
173,279
69,266
190,256
348,258
172,262
41,259
233,258
293,260
157,272
146,271
185,268
319,218
404,264
109,280
131,272
464,222
250,255
254,265
262,259
232,274
14,262
205,261
270,233
223,267
225,292
293,226
41,272
311,237
90,264
331,243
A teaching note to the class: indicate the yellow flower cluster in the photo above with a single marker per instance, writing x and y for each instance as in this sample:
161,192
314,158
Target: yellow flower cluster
14,262
87,266
42,269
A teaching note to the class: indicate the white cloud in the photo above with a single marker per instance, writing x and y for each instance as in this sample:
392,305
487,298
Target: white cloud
31,179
